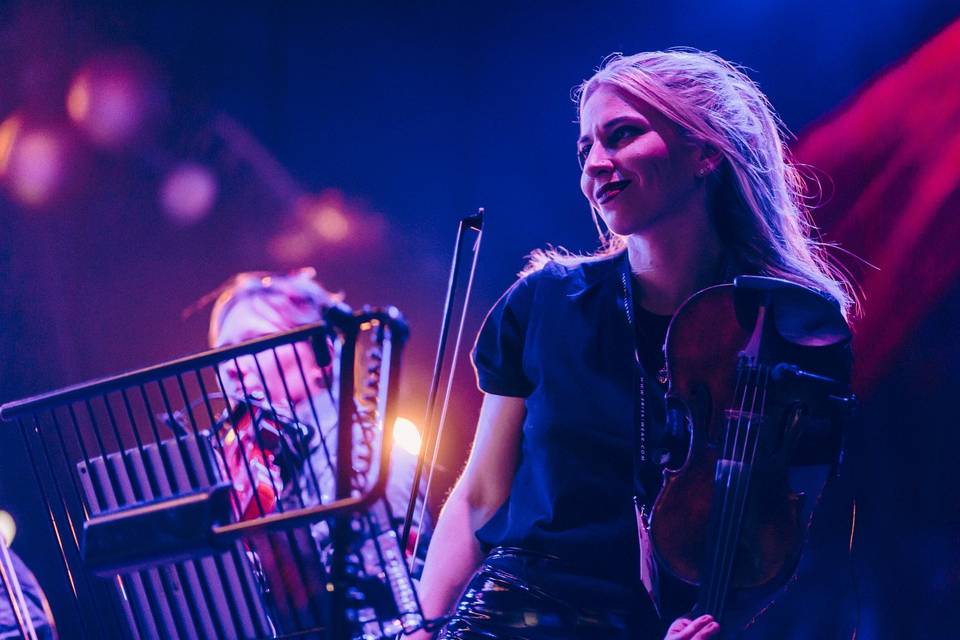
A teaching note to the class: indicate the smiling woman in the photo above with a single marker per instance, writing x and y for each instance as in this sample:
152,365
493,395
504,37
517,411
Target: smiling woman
544,535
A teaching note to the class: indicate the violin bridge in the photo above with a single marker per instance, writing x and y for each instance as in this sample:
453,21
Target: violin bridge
739,416
726,469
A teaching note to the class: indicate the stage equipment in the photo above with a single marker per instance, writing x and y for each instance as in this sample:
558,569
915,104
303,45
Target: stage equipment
187,501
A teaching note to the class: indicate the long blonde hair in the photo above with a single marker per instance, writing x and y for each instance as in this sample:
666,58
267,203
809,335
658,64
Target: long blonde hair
757,193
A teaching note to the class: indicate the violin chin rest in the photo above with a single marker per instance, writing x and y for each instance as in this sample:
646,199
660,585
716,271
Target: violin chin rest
801,315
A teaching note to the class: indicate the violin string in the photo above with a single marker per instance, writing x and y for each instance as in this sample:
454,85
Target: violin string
729,453
708,585
744,489
729,539
756,445
736,470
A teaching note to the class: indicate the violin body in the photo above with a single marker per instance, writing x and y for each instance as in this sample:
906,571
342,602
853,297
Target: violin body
748,364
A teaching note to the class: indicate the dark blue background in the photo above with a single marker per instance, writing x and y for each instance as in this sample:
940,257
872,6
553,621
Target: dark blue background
420,111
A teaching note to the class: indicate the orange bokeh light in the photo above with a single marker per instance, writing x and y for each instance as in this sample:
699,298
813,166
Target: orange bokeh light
329,223
33,161
113,98
78,98
9,130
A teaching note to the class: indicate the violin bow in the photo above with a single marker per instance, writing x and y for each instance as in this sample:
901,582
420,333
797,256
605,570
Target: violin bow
433,434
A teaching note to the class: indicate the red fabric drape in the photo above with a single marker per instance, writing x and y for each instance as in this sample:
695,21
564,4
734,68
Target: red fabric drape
892,155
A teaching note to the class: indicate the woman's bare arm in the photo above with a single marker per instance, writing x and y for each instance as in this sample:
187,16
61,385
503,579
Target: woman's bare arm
454,552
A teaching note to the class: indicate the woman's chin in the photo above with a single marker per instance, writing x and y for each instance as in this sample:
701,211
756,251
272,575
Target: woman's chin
618,224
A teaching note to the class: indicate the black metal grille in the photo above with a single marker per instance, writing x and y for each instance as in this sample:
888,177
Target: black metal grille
224,421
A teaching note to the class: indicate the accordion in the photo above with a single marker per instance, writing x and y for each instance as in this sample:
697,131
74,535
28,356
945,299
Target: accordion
241,523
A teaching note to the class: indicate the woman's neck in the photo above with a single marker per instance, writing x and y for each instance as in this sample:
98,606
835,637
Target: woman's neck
672,261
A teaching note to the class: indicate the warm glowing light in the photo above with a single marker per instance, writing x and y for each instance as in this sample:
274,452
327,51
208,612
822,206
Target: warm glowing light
112,98
78,98
33,161
330,223
406,435
324,215
9,129
40,167
8,528
188,193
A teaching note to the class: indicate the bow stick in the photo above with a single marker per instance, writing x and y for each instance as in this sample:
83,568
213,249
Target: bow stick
433,435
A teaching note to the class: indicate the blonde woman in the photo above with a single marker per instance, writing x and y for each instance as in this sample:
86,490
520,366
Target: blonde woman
254,304
684,162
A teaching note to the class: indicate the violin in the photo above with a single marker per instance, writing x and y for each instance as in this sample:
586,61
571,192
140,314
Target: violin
748,365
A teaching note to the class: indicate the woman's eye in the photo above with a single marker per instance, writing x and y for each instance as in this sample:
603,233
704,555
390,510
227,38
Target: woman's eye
623,133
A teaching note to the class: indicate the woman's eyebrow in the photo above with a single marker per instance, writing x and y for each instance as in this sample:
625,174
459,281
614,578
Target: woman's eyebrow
609,124
614,122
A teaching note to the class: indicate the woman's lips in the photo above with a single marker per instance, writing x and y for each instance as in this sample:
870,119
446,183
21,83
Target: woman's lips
611,190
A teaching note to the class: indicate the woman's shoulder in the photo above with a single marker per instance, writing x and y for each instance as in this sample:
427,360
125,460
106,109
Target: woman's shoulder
569,274
562,265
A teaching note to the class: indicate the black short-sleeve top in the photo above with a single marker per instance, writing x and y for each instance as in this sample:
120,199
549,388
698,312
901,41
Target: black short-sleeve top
563,338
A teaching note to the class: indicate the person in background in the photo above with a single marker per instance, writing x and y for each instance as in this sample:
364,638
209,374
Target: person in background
255,304
301,393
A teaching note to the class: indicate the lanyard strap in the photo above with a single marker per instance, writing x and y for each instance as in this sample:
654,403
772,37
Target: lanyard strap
640,403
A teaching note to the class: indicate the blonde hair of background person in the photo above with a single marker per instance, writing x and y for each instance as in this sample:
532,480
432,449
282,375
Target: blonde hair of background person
294,299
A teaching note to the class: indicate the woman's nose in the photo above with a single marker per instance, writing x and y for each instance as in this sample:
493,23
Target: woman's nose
598,162
238,374
233,373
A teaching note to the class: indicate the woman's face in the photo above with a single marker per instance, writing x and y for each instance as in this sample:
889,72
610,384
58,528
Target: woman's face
637,167
253,317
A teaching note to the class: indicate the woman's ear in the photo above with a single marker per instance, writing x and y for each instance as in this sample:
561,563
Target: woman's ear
709,158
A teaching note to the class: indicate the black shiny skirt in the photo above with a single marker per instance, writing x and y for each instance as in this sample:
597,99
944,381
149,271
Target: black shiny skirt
519,595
